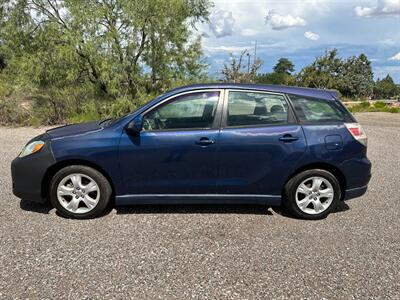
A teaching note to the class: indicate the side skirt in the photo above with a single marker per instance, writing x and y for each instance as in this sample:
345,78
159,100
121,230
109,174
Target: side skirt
197,199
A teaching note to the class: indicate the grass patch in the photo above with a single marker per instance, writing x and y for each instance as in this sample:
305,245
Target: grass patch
378,106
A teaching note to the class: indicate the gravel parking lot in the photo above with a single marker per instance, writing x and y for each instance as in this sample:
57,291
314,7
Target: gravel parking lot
233,252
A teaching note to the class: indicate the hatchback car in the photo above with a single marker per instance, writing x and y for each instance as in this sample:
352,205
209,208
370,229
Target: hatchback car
211,143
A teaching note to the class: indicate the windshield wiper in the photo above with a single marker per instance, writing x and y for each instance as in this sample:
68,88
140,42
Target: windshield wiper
106,122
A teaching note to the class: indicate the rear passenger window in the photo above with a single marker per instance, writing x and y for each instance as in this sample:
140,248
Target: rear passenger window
249,108
313,110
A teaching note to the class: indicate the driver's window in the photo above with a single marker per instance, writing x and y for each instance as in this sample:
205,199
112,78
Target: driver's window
196,110
251,108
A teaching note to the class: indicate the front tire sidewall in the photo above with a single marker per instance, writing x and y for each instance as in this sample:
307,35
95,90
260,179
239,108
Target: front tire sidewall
289,200
102,182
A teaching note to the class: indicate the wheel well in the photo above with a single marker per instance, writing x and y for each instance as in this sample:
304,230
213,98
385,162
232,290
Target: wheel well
327,167
59,165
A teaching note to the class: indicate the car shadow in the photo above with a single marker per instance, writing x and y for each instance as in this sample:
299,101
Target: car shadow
341,207
45,208
195,209
41,208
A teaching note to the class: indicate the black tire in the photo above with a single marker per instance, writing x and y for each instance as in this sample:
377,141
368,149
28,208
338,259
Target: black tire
289,197
103,185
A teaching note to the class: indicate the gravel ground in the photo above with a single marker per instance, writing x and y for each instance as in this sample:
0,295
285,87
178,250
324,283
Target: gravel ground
233,252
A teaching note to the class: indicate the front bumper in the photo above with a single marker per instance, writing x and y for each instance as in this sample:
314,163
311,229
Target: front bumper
28,173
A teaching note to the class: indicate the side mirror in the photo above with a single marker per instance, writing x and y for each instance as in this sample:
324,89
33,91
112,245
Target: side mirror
135,126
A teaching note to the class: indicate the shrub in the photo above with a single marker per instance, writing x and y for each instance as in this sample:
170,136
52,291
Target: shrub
380,105
89,112
12,114
376,107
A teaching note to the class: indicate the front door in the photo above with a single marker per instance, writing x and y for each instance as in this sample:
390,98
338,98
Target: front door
175,152
259,144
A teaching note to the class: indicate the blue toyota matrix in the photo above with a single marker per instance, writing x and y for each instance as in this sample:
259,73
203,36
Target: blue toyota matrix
209,143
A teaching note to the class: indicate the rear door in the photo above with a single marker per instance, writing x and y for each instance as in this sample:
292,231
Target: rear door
260,143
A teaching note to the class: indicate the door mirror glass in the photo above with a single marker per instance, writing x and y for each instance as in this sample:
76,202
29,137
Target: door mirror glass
135,126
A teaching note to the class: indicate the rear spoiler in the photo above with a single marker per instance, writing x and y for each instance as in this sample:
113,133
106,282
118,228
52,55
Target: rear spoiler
334,94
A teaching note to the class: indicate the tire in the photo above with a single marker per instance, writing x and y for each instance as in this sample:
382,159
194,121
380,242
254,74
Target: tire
69,197
303,199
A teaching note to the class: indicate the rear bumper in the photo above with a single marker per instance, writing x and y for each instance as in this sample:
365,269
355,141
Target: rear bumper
358,174
355,193
28,173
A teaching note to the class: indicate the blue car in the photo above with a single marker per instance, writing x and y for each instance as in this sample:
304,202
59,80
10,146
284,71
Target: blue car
209,143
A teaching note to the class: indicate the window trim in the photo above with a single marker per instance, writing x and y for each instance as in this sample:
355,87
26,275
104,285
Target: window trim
291,120
217,118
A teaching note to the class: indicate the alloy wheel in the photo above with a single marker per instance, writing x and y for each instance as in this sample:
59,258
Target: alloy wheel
314,195
78,193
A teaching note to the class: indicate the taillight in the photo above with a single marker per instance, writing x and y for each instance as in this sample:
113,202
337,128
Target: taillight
357,132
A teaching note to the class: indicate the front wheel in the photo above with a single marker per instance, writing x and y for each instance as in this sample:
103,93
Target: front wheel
312,194
80,192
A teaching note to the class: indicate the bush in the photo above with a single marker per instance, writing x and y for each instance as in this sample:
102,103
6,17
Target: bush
90,112
96,110
12,114
378,106
121,107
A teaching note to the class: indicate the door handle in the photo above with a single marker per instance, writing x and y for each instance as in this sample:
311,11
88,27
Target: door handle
288,138
205,141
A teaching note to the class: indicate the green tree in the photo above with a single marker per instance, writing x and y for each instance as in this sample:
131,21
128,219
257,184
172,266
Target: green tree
284,66
115,48
282,74
357,77
325,72
275,78
386,88
240,71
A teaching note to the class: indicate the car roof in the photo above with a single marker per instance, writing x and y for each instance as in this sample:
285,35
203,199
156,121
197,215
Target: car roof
294,90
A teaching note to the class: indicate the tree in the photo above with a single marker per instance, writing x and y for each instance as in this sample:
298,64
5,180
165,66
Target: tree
325,72
275,78
284,66
239,71
386,88
353,76
107,50
357,77
120,46
281,74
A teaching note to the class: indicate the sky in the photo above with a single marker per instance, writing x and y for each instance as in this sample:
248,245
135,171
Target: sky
302,30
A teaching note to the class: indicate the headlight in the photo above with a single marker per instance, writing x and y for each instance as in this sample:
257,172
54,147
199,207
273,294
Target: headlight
31,148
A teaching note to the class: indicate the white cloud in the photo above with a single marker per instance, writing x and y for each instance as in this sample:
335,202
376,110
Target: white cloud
395,57
311,35
248,32
382,8
279,22
221,23
229,49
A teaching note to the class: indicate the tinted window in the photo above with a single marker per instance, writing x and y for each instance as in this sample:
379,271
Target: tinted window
249,108
195,110
316,110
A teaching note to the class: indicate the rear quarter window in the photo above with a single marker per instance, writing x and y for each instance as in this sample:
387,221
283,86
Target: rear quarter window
313,110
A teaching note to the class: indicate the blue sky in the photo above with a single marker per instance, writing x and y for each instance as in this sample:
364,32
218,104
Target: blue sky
303,29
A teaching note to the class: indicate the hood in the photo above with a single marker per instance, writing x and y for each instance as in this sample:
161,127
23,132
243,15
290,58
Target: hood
74,129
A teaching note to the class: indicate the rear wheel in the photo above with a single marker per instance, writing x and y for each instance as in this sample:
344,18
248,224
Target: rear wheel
80,192
312,194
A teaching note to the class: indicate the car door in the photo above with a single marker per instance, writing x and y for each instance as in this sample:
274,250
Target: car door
175,153
260,143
